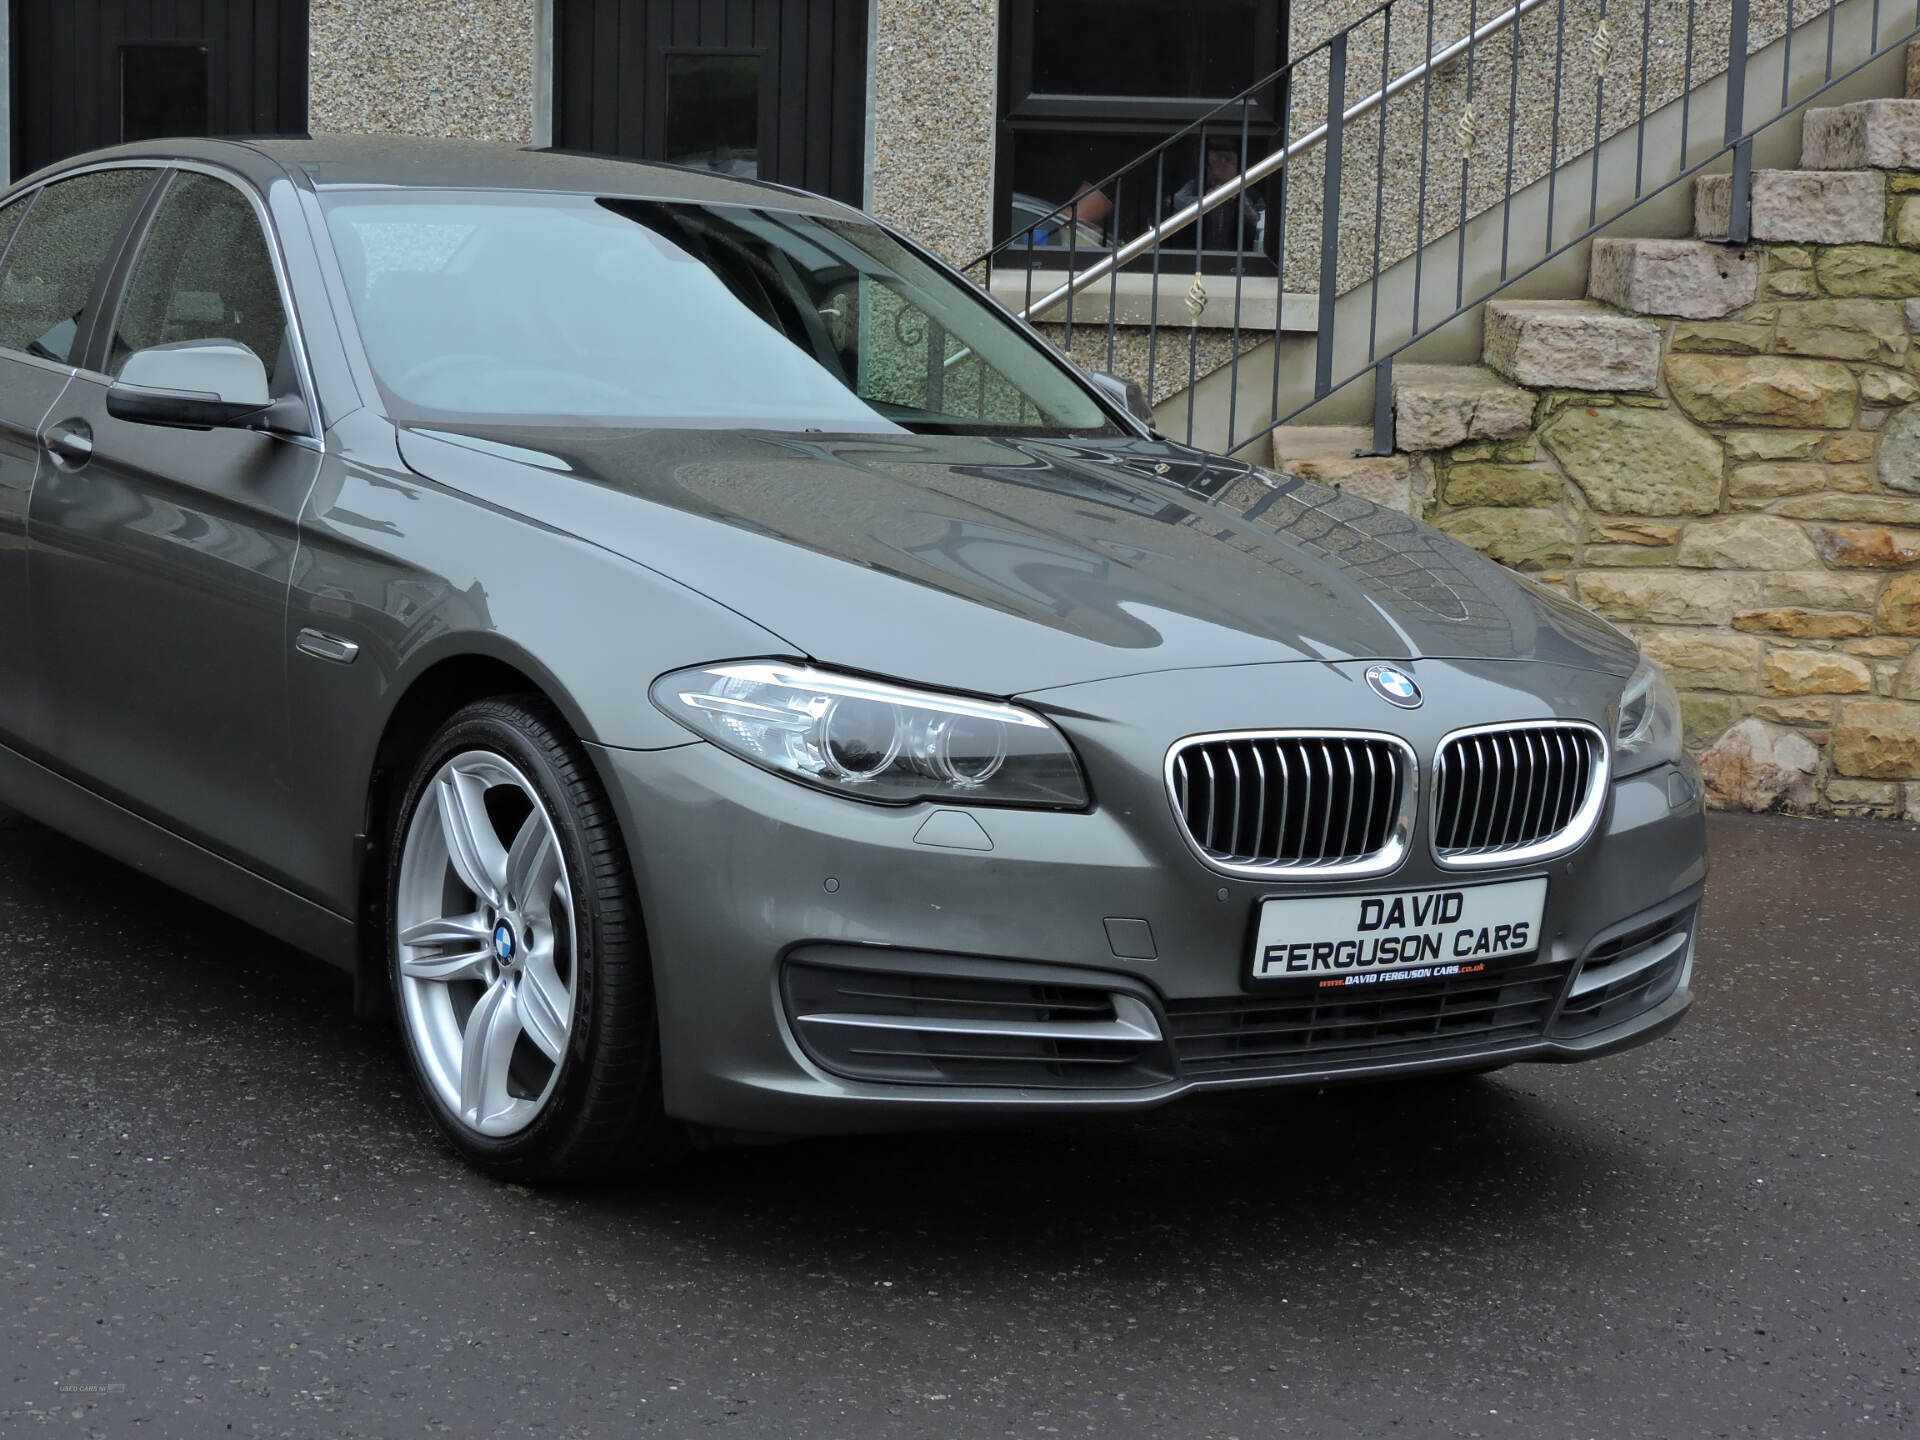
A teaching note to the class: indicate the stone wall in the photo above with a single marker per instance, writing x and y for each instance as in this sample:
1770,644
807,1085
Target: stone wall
1741,493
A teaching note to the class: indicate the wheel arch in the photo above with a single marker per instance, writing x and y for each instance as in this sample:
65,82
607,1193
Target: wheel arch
441,688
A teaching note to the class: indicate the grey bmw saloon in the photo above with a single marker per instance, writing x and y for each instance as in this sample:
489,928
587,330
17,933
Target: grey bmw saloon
707,671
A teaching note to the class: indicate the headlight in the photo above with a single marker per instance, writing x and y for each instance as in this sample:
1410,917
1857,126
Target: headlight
1648,733
874,741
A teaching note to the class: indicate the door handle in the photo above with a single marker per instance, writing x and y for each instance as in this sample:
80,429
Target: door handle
71,442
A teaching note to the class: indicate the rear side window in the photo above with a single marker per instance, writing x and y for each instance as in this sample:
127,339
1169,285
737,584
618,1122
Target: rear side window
10,218
204,273
56,257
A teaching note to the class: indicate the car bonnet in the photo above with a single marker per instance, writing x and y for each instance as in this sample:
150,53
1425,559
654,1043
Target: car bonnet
1004,565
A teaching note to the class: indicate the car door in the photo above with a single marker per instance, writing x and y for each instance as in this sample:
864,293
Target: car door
160,556
54,242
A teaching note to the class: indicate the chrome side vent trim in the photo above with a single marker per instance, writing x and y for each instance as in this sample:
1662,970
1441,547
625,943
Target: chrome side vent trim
1306,804
1513,794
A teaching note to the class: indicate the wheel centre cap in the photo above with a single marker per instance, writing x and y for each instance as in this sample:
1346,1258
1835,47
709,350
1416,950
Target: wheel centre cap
503,943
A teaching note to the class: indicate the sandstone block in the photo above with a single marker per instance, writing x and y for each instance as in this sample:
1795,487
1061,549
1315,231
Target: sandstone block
1793,284
1816,672
1888,387
1806,207
1634,532
1436,407
1906,221
1762,390
1815,589
1906,684
1327,453
1899,462
1687,278
1864,797
1867,548
1755,766
1628,460
1703,718
1850,447
1773,444
1703,660
1882,134
1795,712
1661,596
1912,307
1801,624
1488,484
1748,542
1722,337
1844,330
1527,539
1571,345
1898,612
1868,270
1615,556
1877,740
1879,647
1875,509
1770,482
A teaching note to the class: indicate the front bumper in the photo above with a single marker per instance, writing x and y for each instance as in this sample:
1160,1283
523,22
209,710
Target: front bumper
742,873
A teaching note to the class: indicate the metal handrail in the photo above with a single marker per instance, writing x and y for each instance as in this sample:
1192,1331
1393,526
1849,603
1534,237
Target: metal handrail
1261,170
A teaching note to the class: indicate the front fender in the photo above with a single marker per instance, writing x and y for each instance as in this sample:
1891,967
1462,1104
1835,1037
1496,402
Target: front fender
392,564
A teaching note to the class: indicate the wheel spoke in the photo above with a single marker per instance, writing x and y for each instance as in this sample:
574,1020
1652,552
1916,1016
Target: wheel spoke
460,944
472,848
533,866
544,1006
486,1052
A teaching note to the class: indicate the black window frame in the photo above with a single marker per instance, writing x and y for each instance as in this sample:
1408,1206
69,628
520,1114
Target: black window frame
1148,120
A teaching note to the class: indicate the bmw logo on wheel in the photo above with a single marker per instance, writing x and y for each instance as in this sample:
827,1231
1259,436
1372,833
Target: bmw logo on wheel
503,943
1396,687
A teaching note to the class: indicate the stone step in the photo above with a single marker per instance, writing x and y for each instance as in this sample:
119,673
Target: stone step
1687,278
1436,407
1571,345
1331,455
1869,134
1799,207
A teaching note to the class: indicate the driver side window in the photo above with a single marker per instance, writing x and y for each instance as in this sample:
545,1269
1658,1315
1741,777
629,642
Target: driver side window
204,273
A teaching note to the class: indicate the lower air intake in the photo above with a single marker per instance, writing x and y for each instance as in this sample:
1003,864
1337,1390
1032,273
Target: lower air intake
955,1021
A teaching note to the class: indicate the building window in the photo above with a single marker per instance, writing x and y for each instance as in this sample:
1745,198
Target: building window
1090,85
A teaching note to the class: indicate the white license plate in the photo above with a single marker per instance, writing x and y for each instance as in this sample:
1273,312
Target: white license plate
1333,942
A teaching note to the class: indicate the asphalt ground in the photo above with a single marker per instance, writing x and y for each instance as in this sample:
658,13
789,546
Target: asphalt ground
224,1212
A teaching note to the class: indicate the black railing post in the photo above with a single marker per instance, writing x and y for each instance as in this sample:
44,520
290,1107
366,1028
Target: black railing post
1330,213
1740,212
1383,408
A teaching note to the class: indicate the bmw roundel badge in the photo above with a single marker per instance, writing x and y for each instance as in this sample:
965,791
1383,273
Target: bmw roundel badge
1396,687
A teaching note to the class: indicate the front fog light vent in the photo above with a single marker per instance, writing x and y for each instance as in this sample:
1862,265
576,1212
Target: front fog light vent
951,1020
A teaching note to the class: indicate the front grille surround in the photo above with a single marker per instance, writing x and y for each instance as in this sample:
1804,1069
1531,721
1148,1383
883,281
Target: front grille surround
1395,823
1535,841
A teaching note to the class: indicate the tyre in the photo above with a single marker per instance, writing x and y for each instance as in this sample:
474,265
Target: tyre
517,956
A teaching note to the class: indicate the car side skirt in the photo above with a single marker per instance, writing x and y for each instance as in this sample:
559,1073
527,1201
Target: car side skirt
77,812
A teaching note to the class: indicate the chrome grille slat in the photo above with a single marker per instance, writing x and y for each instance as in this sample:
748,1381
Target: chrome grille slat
1511,793
1329,803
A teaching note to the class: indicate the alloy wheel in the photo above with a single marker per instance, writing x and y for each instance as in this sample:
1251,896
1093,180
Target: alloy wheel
486,940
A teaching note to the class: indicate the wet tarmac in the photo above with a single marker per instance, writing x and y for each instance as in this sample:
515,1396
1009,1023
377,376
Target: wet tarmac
224,1212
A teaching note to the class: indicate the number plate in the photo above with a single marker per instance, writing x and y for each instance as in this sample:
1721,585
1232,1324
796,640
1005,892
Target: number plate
1334,942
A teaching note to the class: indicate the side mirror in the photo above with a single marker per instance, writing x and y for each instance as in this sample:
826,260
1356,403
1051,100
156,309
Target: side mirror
1128,394
195,384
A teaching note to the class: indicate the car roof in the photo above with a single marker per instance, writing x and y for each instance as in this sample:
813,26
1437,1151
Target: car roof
412,162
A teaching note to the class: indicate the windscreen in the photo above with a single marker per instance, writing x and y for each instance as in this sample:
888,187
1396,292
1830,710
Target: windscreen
531,309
